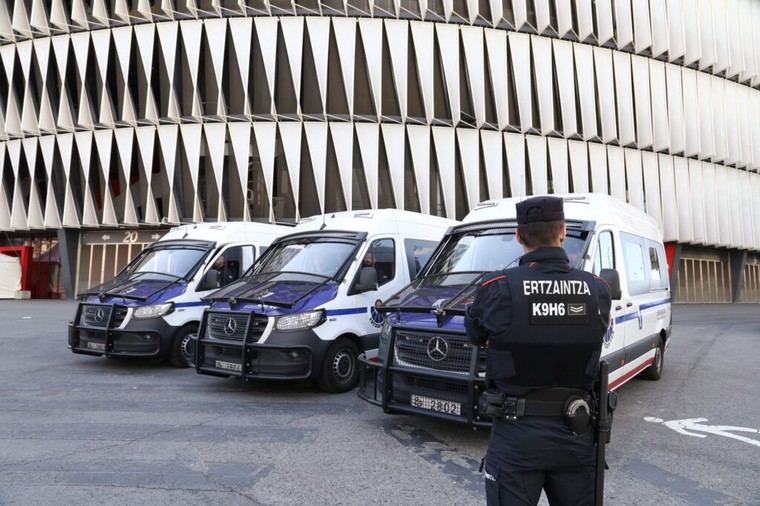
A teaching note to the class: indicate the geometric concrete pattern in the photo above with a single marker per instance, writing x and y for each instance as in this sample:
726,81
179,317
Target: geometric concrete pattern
136,112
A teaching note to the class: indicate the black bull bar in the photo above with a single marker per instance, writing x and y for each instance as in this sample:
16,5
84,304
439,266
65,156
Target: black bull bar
385,381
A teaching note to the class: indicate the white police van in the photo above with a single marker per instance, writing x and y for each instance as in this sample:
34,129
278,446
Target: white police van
307,309
153,306
425,364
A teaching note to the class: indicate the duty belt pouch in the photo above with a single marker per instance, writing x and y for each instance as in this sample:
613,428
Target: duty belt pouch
492,403
577,414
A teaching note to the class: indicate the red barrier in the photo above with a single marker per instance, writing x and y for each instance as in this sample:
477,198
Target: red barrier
670,254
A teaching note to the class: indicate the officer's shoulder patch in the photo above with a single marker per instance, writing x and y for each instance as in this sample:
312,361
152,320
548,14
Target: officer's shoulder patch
493,280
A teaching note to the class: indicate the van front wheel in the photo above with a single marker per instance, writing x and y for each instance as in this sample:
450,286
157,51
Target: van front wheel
654,371
183,348
340,372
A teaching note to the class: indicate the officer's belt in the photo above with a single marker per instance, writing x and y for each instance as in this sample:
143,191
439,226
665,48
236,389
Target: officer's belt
517,407
547,402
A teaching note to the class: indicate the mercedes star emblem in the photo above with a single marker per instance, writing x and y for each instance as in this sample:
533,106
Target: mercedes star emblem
99,315
230,327
437,349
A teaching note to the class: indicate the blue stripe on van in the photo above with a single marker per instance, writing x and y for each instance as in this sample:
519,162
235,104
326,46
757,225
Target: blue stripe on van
191,304
642,307
349,310
654,304
626,317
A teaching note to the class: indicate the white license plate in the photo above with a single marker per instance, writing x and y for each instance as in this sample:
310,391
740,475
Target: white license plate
438,405
96,346
228,366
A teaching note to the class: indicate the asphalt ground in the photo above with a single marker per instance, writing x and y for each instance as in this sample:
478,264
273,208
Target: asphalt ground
85,430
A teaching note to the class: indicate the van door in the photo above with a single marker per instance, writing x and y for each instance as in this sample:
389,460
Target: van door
638,301
655,312
606,257
382,261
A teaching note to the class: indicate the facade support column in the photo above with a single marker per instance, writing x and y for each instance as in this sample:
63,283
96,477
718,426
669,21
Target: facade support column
737,259
68,246
673,252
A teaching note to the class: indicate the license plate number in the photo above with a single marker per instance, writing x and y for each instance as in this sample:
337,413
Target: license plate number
228,366
438,405
96,346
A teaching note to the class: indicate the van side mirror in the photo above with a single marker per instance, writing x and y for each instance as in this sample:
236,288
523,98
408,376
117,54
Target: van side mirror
612,278
367,280
210,280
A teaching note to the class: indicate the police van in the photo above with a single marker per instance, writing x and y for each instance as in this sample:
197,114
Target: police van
425,364
308,308
152,308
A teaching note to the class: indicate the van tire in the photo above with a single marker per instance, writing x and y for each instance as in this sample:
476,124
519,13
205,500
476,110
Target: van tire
654,371
340,367
180,355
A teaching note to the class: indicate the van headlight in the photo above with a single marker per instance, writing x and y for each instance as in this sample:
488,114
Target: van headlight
300,321
154,310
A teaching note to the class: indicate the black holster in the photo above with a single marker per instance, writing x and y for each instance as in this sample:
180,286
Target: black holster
493,403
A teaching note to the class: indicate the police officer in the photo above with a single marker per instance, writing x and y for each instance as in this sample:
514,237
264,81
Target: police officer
543,323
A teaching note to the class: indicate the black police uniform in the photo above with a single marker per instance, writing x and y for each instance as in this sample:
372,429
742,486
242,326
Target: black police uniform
543,323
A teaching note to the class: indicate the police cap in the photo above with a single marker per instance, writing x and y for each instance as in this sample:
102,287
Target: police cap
537,209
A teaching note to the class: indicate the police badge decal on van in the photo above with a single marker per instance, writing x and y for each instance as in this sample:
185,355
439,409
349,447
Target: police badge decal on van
609,334
376,318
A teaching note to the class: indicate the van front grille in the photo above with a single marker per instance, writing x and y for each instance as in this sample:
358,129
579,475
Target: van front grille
96,315
232,326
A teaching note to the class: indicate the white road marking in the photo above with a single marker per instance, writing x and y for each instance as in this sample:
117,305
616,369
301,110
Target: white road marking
694,427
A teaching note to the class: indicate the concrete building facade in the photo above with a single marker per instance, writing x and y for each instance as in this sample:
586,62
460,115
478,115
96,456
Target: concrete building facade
119,118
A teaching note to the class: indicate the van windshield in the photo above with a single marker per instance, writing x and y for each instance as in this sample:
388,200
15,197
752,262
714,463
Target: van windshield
160,266
163,262
450,280
317,258
291,270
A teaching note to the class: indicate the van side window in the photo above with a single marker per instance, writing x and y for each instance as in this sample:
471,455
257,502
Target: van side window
381,255
417,254
658,273
605,252
636,264
232,263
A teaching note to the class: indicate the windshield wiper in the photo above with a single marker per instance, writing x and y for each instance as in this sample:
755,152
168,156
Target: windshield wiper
276,273
133,277
140,273
257,300
266,284
442,274
122,295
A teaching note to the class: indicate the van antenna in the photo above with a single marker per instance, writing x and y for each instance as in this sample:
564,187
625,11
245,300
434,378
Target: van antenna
323,220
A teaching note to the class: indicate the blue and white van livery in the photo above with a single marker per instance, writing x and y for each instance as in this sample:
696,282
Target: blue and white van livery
153,306
307,309
425,364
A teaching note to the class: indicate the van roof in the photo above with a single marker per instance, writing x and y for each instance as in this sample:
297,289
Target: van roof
227,232
598,207
380,221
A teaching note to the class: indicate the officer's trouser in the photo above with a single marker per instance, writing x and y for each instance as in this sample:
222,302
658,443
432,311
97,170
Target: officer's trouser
534,453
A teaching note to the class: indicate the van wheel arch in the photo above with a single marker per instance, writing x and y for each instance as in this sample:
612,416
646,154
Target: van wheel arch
178,347
354,338
654,371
